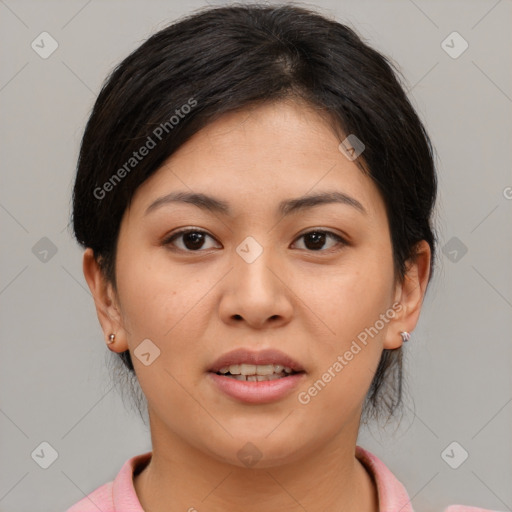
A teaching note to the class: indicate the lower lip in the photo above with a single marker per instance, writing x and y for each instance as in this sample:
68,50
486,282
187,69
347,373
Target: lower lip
257,392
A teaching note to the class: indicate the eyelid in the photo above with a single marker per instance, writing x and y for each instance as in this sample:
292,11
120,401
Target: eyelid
190,229
329,231
340,239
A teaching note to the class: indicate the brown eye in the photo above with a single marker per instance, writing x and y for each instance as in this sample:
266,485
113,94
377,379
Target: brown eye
315,240
192,240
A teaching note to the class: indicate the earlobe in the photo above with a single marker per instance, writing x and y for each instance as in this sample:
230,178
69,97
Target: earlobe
107,310
410,295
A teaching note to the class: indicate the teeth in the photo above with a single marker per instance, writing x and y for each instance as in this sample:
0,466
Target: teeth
255,370
256,378
248,369
234,369
267,369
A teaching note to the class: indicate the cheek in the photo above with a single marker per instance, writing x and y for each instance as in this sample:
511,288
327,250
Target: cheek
347,357
349,298
349,304
147,288
163,303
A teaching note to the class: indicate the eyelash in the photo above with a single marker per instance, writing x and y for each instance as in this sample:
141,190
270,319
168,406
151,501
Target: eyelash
168,240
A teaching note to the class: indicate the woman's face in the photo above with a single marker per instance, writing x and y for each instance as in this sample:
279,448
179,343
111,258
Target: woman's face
254,275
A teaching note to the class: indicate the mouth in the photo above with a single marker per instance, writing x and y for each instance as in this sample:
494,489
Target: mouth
256,373
260,377
256,366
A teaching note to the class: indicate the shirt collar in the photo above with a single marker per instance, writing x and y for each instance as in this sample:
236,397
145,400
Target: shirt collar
392,494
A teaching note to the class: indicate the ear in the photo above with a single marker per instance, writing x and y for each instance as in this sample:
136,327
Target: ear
409,295
107,309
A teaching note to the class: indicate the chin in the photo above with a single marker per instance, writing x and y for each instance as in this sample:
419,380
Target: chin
262,452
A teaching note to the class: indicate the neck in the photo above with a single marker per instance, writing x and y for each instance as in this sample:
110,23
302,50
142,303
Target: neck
180,477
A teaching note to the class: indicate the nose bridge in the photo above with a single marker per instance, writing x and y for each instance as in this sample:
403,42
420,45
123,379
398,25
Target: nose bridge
254,292
252,267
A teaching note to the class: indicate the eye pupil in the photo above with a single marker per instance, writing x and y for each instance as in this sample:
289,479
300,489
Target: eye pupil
318,239
195,237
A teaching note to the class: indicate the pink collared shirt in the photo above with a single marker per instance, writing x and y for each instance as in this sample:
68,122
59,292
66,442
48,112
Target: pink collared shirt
120,496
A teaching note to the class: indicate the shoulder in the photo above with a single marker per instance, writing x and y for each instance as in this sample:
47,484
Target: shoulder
118,494
392,493
101,499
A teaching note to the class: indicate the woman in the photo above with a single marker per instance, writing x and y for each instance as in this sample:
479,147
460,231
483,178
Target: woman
254,195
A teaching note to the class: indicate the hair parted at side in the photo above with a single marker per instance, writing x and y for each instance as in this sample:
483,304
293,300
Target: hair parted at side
221,59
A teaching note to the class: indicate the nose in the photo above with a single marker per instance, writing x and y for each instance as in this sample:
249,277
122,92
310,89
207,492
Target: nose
256,294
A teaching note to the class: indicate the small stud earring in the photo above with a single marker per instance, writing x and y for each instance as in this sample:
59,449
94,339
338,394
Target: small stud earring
111,339
405,336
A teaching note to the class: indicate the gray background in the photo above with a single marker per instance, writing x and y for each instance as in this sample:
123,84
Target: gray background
54,382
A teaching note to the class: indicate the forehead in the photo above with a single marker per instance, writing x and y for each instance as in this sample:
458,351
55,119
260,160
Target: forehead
259,156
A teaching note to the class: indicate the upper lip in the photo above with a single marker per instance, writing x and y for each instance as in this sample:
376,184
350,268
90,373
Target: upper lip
267,356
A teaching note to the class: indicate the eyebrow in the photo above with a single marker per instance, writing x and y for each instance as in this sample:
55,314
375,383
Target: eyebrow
285,207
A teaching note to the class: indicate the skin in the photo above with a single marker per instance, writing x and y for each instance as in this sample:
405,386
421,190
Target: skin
311,304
